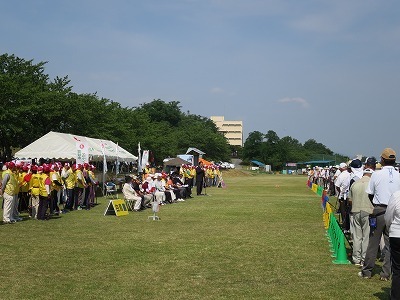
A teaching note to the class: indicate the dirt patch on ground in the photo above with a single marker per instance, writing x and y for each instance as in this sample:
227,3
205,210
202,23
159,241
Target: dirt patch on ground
235,173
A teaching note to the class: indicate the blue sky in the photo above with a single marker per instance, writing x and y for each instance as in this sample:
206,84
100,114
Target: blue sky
327,70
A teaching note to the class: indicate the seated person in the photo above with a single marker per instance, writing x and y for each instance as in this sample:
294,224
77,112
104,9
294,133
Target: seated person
169,193
146,197
130,194
184,190
159,189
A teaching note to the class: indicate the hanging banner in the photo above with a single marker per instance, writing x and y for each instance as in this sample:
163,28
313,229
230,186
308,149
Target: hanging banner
104,157
139,161
145,158
82,152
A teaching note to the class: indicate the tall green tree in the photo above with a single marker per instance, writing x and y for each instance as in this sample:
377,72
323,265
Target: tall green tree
253,146
25,93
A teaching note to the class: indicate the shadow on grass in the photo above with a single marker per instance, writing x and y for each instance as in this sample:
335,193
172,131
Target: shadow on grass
384,294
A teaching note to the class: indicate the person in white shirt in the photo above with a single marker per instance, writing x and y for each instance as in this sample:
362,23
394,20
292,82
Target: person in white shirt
159,189
130,194
392,220
342,186
382,185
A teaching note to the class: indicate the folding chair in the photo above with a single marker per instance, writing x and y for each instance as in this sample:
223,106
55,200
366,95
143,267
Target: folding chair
111,190
130,204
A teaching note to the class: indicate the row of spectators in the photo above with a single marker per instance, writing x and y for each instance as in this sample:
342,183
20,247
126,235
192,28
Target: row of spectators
54,187
368,195
169,188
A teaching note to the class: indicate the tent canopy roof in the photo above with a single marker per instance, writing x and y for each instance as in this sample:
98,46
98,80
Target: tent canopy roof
258,163
177,161
63,146
195,150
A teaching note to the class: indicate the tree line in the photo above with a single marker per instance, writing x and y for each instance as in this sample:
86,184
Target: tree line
32,104
277,152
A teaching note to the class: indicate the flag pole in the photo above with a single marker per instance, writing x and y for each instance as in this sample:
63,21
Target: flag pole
104,167
117,163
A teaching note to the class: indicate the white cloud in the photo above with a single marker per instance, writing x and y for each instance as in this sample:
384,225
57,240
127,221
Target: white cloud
217,90
300,101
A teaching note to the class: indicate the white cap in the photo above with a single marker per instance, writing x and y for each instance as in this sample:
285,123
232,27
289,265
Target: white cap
368,171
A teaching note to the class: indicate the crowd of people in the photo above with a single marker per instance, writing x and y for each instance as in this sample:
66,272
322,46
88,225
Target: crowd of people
368,194
52,189
166,188
46,190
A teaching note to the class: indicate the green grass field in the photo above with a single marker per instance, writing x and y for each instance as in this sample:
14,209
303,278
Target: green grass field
262,237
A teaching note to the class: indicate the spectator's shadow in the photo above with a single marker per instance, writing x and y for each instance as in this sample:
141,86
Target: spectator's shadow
384,294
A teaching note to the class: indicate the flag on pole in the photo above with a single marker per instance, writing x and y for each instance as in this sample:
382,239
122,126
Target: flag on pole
104,157
139,161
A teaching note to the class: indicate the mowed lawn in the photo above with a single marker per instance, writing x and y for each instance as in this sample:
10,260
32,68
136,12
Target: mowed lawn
261,237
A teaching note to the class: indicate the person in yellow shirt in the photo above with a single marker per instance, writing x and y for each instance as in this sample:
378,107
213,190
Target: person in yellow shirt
80,185
44,191
8,190
15,211
93,180
68,177
86,177
23,189
56,189
34,182
209,176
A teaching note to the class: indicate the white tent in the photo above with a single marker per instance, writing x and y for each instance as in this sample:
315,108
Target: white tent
63,146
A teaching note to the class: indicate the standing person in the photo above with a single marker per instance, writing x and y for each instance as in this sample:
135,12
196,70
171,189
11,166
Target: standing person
392,219
9,190
56,190
44,192
34,185
93,185
23,189
68,176
382,185
199,178
80,185
342,186
361,208
86,176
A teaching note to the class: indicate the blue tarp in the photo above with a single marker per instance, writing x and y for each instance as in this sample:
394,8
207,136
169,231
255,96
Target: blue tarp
258,163
315,162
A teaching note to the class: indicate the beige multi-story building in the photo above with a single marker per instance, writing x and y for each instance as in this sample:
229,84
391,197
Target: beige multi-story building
233,130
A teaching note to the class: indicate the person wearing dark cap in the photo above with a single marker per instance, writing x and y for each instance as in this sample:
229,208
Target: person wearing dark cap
356,170
361,208
382,185
370,163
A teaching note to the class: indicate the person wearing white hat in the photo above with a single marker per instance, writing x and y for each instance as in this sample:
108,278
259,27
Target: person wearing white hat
159,189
